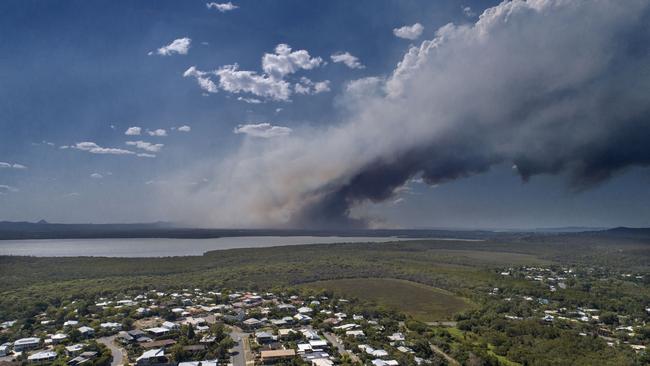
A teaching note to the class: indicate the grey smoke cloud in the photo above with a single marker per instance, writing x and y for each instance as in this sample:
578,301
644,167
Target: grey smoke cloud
550,86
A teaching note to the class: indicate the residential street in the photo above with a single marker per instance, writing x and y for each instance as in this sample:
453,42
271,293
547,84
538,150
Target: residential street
243,356
332,339
117,352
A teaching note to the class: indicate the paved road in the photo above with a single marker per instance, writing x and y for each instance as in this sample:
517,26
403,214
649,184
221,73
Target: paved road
332,339
116,352
243,355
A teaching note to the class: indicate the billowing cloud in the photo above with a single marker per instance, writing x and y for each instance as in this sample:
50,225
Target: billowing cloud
233,80
348,60
148,146
158,132
551,86
133,131
285,61
178,46
411,32
263,130
222,7
185,128
269,85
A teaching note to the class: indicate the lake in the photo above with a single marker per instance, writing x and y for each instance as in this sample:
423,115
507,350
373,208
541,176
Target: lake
164,247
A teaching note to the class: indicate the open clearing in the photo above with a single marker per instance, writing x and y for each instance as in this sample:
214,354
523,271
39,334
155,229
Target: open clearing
424,303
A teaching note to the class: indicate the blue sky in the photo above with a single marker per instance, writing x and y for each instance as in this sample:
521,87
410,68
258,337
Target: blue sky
79,71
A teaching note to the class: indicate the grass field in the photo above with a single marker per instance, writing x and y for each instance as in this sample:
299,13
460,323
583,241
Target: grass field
424,303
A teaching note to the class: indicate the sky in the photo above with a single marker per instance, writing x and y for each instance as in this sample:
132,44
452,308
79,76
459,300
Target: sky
409,114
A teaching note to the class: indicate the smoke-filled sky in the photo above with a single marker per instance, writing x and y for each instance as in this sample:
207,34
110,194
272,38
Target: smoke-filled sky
331,114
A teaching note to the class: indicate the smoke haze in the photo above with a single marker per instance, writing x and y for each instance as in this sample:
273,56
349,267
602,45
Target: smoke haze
549,86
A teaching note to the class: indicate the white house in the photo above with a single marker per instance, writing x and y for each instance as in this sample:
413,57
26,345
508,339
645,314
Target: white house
152,357
170,325
26,344
86,331
199,363
42,357
58,338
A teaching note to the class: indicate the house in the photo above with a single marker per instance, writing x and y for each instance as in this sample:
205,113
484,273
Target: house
322,362
58,338
304,348
318,344
263,337
4,350
278,322
286,307
153,357
42,357
285,333
355,333
111,325
397,337
124,337
199,363
157,331
378,362
71,323
302,318
86,331
82,358
26,344
170,325
305,310
252,323
74,349
158,344
310,334
273,356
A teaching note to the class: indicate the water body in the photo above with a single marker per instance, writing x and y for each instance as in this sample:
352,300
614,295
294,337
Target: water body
165,247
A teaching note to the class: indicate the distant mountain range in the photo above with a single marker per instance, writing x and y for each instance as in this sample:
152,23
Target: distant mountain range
43,230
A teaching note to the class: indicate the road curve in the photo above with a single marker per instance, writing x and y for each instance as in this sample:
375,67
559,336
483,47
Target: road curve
116,352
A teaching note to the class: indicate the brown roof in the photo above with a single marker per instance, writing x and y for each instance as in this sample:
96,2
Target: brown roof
158,344
278,353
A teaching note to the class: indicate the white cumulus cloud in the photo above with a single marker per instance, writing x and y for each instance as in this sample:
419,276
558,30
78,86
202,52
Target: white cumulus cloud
411,32
148,146
306,86
222,7
269,85
93,148
178,46
185,128
133,131
263,130
233,80
158,132
348,60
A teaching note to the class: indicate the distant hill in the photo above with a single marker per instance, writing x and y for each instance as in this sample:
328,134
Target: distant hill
628,232
44,230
